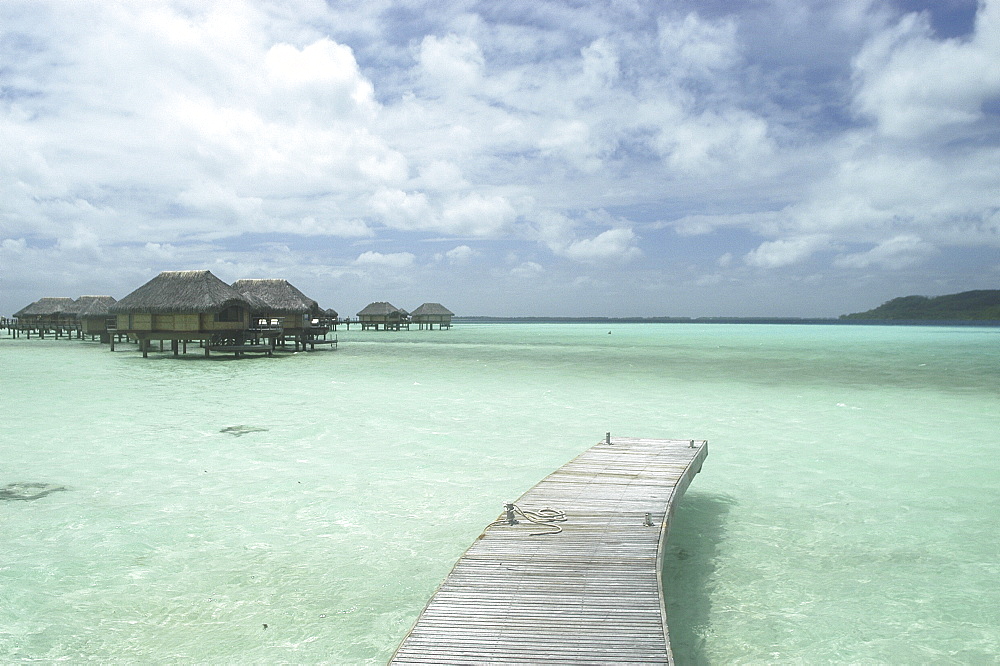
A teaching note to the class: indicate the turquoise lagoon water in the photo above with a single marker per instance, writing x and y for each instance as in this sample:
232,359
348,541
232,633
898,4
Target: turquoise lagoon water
847,513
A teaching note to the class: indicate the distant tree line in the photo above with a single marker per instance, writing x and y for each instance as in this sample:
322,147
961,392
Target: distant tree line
983,304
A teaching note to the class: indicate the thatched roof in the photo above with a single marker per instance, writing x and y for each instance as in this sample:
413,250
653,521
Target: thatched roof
258,304
93,306
432,309
276,297
22,311
380,309
180,291
331,313
48,307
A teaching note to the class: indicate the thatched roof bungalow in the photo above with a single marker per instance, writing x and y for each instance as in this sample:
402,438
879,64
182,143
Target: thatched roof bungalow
279,299
384,315
183,305
56,314
429,314
93,313
281,312
48,307
329,318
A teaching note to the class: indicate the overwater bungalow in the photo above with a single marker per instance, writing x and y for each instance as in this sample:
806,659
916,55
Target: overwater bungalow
185,306
93,314
279,312
55,315
331,319
429,314
384,315
18,323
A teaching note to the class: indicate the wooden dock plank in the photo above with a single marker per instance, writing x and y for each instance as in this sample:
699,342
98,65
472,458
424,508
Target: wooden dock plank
586,589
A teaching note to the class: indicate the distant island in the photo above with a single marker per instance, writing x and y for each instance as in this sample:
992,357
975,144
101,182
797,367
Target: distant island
980,305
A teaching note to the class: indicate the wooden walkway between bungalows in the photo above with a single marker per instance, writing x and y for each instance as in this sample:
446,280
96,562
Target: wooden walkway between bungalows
588,593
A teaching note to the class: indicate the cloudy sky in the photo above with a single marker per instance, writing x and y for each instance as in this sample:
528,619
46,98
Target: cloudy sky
561,157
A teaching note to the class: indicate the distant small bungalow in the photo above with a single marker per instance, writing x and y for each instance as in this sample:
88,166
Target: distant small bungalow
279,311
48,315
93,313
331,319
182,306
429,314
384,315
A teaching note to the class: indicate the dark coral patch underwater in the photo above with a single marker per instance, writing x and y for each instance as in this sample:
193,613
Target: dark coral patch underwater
28,491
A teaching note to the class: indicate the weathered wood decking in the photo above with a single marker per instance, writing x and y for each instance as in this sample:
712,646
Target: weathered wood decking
590,593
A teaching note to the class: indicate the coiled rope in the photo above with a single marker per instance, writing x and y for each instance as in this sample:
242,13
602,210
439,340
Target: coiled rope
543,517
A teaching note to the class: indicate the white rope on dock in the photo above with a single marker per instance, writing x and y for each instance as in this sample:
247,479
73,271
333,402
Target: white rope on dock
545,517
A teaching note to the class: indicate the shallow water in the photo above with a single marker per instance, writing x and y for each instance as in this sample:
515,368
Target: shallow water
847,511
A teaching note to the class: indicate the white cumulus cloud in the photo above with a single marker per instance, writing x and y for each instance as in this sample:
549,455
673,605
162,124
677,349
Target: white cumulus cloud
895,253
451,63
613,244
913,83
392,260
527,269
785,252
459,255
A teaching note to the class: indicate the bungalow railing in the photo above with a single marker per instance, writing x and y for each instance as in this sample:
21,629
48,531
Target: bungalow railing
267,324
58,325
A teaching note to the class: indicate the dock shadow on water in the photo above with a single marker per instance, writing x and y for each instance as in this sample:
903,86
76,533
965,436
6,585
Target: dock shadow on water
688,564
28,491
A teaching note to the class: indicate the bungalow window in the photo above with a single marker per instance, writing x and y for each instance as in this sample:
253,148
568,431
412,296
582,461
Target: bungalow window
233,313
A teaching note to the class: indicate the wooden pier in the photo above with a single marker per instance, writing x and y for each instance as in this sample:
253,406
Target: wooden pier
571,571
